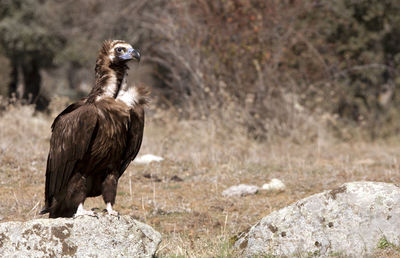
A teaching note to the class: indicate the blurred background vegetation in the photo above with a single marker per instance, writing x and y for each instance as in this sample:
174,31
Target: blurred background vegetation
278,68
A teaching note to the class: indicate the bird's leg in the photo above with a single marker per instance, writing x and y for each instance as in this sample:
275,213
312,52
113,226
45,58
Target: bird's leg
82,212
109,191
111,211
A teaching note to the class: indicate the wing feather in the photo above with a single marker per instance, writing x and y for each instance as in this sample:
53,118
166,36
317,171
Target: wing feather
73,133
135,136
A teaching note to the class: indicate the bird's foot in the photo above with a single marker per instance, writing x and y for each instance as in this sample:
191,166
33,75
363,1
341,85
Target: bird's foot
110,210
82,212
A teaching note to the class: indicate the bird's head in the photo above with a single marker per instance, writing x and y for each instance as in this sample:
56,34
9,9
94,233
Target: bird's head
118,51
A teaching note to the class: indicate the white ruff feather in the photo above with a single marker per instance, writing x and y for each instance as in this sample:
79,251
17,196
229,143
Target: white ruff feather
110,88
128,96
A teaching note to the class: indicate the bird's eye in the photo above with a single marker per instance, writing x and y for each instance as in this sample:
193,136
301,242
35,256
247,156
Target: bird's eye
120,49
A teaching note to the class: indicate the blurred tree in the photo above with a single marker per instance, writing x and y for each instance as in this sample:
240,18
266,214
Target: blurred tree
271,62
359,41
4,76
30,42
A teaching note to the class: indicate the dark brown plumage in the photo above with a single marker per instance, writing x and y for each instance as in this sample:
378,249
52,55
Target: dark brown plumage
94,140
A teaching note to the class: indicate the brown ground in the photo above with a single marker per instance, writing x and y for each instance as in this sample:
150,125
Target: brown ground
181,196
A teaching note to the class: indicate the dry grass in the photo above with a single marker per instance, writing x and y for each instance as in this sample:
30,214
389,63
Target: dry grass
209,156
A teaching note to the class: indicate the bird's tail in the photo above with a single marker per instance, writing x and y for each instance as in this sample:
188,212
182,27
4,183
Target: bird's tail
46,207
44,210
59,207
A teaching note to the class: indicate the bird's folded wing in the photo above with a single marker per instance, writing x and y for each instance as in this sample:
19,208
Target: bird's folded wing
135,136
73,133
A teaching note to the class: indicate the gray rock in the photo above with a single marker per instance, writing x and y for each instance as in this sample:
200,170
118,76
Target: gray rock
105,236
350,220
240,190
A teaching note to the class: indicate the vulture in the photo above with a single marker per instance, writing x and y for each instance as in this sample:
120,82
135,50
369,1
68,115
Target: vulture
94,140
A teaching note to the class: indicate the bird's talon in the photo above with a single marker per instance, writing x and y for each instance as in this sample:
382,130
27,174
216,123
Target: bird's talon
83,212
112,212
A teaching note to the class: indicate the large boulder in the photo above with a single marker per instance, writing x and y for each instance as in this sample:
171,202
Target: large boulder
350,221
86,236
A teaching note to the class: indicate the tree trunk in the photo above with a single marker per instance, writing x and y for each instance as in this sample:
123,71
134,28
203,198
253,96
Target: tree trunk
32,80
12,86
27,73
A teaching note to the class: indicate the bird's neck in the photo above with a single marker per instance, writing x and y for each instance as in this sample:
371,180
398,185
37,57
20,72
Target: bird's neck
110,80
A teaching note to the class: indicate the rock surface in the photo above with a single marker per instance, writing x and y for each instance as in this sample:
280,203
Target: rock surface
348,221
86,236
240,190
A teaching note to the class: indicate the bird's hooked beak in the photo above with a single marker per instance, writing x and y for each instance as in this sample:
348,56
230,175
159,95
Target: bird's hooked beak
131,54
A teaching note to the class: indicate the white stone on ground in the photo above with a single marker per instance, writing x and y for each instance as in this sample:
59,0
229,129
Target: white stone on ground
240,190
147,158
274,185
348,221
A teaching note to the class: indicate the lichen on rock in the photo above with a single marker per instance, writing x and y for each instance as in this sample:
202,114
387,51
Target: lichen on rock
86,236
349,220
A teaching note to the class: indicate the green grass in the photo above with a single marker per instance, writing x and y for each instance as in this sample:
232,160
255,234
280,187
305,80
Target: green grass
385,244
